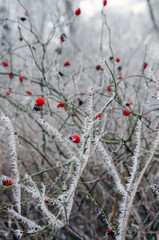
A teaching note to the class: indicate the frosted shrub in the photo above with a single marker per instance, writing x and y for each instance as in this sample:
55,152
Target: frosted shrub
79,126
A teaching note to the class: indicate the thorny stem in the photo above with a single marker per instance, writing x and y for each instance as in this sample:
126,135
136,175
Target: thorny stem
88,193
137,185
78,235
91,189
31,144
50,169
110,38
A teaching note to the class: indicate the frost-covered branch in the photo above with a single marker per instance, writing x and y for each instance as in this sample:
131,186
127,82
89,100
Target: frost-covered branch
36,194
79,157
13,159
135,158
65,143
32,226
109,163
127,204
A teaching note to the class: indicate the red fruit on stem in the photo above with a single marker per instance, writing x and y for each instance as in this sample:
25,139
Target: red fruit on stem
75,138
26,13
47,199
21,79
72,114
78,12
104,3
98,116
63,37
126,112
7,93
67,63
117,59
40,101
109,89
9,89
129,102
34,48
20,38
10,75
29,92
5,64
61,105
8,181
110,231
99,68
144,66
121,77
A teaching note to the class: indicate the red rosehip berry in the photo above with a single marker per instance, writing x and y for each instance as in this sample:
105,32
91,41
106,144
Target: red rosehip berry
78,12
61,105
72,114
8,181
99,68
129,102
126,112
29,92
117,59
75,138
26,13
21,79
98,116
67,63
110,231
104,3
20,38
7,93
9,89
47,199
109,89
40,101
63,37
10,75
5,64
121,77
144,66
34,48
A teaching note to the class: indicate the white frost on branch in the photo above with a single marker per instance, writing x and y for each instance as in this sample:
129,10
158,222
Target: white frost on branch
79,157
65,143
135,158
128,200
110,165
31,224
124,206
36,194
82,159
13,159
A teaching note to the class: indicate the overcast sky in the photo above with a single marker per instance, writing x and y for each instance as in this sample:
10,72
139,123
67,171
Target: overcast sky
89,8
